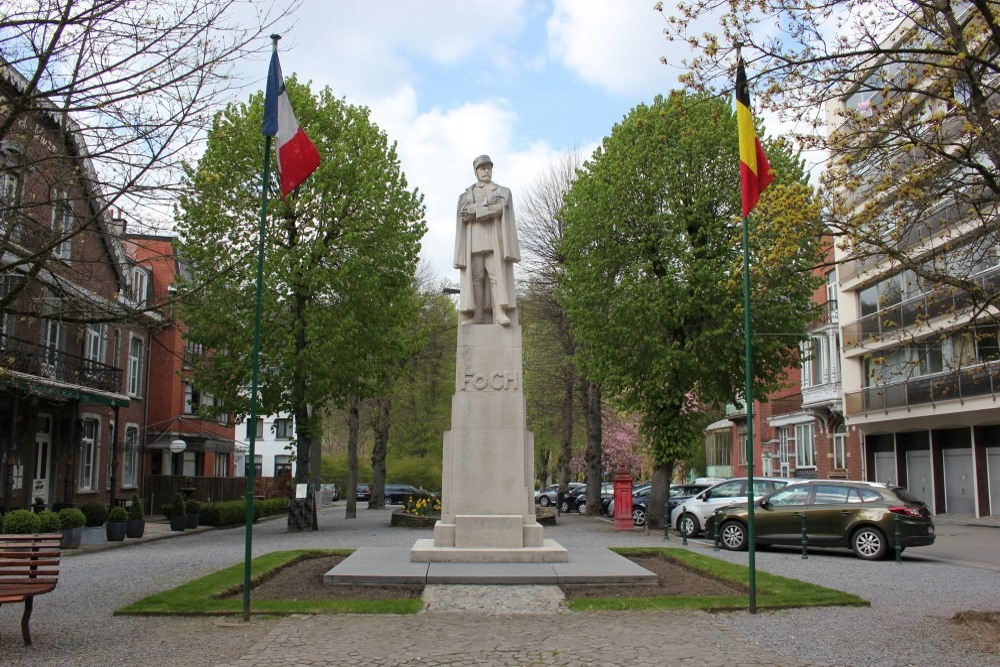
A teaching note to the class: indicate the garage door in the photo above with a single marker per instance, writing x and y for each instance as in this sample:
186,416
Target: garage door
885,467
918,476
993,467
959,490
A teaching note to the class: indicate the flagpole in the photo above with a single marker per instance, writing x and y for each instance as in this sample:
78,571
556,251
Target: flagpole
255,368
748,391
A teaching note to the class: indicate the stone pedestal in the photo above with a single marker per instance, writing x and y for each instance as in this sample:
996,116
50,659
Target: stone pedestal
487,489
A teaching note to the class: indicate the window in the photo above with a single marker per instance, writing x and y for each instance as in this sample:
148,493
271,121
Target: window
190,463
283,429
282,465
815,367
805,441
786,443
720,447
840,447
140,285
790,495
97,343
741,447
192,399
62,224
222,464
6,286
258,464
830,495
11,185
259,430
130,458
135,366
51,344
733,489
89,444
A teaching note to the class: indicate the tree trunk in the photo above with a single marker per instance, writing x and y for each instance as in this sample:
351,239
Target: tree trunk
301,511
379,450
658,495
566,452
592,455
353,430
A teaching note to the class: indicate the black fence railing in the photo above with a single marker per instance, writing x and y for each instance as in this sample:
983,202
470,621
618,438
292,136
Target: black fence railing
982,380
30,358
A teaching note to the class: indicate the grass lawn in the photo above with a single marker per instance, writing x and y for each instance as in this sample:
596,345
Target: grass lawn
773,591
214,594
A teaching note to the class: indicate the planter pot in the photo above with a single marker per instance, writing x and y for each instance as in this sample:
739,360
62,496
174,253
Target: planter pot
192,520
115,531
71,537
135,528
178,521
93,535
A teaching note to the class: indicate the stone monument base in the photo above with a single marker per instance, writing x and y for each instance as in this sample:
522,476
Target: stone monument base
550,551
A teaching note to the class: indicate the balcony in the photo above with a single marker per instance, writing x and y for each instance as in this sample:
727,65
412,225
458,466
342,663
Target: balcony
826,314
972,382
916,311
29,358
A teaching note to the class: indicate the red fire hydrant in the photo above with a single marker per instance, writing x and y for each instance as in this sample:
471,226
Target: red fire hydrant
623,501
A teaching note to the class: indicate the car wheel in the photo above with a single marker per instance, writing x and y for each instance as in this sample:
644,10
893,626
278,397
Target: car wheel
638,516
581,508
544,501
564,508
869,543
733,536
687,525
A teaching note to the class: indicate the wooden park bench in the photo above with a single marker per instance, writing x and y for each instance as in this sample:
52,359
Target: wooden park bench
29,566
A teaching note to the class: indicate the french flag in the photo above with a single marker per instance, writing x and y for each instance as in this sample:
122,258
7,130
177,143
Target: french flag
297,155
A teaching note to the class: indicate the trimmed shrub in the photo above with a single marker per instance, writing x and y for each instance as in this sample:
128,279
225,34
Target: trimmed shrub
20,522
71,517
118,514
96,513
192,507
136,511
48,522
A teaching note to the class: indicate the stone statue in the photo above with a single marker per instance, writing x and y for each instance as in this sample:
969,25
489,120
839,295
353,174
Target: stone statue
486,248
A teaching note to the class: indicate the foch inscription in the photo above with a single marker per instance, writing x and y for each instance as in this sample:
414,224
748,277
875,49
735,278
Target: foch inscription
498,380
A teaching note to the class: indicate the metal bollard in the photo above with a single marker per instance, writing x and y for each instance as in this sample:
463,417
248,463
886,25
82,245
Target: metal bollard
899,542
684,535
715,530
666,518
805,540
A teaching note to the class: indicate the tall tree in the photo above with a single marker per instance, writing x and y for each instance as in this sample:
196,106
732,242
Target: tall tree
902,98
541,231
340,254
133,84
653,266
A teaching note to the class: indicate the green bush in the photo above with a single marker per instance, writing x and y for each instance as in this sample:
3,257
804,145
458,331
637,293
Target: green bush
118,514
96,513
179,506
192,507
21,522
209,515
49,522
234,512
71,517
136,510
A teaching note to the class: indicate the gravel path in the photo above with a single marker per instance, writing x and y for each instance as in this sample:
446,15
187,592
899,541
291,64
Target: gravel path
906,624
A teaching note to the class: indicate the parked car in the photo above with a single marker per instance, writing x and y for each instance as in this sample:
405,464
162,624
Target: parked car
862,516
364,492
576,500
333,493
690,515
547,496
678,494
396,494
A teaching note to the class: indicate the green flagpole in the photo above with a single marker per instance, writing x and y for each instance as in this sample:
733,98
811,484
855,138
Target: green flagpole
255,370
748,380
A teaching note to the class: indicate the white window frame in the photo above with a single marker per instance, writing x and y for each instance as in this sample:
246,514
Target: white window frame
222,464
284,429
136,347
89,454
805,445
282,462
97,342
840,448
260,429
140,285
130,457
62,224
11,185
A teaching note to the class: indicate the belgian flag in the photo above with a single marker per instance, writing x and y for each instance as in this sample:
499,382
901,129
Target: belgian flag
755,171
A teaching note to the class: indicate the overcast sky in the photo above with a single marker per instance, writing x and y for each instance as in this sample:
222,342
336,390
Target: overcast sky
451,79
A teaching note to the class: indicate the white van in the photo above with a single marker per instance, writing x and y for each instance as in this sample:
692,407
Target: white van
689,517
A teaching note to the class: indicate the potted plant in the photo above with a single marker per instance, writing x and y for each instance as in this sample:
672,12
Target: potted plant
192,508
20,522
93,529
48,522
178,513
115,527
72,520
136,524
